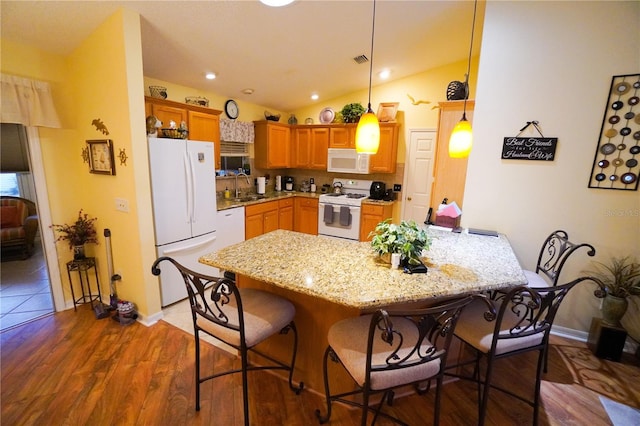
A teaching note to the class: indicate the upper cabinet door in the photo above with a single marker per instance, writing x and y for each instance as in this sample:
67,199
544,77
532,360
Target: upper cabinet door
384,161
342,137
272,145
167,114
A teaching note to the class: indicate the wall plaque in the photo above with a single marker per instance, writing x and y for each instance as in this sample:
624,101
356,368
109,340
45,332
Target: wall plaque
529,148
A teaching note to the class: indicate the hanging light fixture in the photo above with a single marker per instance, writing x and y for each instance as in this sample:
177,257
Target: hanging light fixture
368,130
461,137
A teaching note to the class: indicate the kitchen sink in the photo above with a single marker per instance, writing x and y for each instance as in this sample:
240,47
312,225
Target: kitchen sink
248,198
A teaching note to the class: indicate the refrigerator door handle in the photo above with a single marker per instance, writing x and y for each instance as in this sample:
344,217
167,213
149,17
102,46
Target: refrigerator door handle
190,247
189,178
194,192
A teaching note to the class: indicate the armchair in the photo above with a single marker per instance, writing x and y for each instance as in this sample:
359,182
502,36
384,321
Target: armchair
18,224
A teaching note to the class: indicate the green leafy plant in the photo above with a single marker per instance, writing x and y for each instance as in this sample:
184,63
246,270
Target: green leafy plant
406,238
620,277
351,112
82,231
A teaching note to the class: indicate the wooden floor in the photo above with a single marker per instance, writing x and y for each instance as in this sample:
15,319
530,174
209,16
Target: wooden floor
72,369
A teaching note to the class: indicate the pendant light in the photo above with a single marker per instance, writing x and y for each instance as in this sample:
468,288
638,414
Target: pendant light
368,130
461,137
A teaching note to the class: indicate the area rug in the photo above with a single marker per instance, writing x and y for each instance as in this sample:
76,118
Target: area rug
597,375
620,414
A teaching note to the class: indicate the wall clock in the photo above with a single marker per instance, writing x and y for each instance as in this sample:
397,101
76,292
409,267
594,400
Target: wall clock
231,109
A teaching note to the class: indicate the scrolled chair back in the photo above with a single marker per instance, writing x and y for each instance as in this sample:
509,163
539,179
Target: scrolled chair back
222,292
414,336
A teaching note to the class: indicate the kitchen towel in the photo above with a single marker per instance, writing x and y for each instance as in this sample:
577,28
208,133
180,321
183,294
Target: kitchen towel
345,216
328,214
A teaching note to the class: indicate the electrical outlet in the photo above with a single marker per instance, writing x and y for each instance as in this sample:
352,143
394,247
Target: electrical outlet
122,205
397,187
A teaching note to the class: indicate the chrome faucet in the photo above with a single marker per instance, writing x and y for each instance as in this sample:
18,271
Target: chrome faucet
236,185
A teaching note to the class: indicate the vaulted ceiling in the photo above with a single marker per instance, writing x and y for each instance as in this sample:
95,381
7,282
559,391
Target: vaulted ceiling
284,54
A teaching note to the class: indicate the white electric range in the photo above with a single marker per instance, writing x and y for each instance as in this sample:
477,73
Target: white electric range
339,213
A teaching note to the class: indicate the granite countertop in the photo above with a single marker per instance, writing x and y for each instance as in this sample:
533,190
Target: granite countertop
351,274
224,204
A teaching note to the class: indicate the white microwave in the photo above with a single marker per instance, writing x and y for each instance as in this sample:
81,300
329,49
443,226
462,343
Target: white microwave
341,160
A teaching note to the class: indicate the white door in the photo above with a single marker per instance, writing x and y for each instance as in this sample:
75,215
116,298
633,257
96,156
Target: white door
418,175
204,210
169,188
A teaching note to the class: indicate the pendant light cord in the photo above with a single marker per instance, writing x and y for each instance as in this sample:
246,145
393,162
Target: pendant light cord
466,83
373,31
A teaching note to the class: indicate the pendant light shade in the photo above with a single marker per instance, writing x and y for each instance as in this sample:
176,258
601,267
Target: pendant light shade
461,137
368,133
368,130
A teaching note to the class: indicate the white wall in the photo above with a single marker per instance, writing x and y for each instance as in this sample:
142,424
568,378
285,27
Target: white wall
552,62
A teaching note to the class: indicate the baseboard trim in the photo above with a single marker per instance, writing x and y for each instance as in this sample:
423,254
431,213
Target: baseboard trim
630,346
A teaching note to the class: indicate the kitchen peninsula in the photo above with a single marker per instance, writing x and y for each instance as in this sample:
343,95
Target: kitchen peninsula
329,280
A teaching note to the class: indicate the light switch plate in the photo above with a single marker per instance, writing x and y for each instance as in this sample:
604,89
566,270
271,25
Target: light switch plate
397,187
122,205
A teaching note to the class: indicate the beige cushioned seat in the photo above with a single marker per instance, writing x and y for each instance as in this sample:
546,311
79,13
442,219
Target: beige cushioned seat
265,314
479,333
348,338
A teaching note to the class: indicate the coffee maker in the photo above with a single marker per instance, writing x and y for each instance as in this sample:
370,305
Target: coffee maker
288,183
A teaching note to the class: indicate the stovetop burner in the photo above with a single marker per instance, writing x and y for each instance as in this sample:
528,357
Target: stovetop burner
352,195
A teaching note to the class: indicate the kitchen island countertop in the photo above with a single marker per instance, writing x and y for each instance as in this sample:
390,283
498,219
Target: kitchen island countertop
351,274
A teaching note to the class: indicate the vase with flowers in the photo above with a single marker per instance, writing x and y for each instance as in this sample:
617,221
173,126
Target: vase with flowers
79,233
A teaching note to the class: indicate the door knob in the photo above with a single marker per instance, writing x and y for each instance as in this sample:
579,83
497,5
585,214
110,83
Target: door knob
408,198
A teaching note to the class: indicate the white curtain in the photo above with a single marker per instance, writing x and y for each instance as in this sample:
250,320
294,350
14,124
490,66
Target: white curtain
27,102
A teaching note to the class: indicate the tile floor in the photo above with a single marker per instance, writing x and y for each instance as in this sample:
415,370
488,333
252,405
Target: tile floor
25,293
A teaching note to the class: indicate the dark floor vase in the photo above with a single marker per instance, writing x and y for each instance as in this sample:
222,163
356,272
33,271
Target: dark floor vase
613,309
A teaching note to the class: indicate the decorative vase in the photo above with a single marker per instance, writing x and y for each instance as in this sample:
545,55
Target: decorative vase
613,309
293,120
78,252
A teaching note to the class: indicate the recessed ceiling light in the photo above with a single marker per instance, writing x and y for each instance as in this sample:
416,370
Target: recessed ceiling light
314,96
384,74
247,91
276,3
210,75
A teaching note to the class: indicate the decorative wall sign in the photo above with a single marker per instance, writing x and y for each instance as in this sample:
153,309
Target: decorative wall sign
529,148
616,165
100,126
101,157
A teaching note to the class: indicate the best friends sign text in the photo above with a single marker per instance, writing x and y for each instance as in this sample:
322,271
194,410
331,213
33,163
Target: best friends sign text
541,149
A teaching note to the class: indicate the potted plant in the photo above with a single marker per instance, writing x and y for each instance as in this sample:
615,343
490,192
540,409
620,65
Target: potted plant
617,280
406,238
351,112
81,232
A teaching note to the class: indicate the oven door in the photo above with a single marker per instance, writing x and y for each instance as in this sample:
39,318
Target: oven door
339,221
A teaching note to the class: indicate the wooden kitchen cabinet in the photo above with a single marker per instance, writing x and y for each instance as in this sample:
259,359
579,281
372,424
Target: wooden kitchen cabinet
205,127
371,215
260,219
384,161
449,174
342,137
285,214
309,147
272,145
306,215
203,123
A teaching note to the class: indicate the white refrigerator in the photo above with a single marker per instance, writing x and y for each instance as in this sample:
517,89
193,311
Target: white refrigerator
183,188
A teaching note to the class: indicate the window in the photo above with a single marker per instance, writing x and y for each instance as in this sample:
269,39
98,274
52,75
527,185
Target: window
9,184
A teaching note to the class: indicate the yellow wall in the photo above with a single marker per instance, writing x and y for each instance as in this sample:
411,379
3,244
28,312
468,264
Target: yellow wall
106,70
101,78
